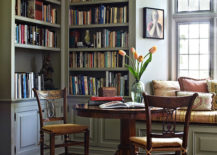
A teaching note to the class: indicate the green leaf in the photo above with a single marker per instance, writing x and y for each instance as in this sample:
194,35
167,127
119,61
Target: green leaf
144,66
134,73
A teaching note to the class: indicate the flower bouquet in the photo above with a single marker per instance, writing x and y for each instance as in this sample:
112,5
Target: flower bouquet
137,66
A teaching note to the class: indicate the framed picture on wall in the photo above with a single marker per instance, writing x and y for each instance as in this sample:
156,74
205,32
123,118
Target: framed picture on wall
153,23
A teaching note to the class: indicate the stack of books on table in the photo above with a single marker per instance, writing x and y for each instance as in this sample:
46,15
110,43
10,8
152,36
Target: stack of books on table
96,101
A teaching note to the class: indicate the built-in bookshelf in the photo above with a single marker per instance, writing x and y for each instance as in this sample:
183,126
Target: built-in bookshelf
95,34
37,41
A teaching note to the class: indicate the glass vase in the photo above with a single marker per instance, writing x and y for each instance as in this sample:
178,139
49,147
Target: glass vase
137,89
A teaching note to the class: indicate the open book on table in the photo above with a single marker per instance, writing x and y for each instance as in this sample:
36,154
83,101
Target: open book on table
119,104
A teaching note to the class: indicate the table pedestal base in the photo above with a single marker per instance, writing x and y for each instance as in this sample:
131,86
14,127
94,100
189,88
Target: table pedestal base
128,129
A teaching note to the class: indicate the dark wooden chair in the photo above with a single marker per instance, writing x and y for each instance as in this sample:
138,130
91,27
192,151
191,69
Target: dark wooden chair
58,97
169,140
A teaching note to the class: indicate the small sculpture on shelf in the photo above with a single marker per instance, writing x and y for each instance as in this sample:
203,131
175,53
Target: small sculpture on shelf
47,70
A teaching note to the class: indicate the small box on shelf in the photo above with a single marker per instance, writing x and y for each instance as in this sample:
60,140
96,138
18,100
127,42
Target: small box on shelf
107,91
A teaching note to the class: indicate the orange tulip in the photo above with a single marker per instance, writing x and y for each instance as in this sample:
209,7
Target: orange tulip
136,55
153,49
133,50
140,58
121,52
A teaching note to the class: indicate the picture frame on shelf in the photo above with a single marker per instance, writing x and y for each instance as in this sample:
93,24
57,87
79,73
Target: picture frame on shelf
153,23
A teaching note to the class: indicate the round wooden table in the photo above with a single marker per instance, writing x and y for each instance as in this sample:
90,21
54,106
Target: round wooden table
127,117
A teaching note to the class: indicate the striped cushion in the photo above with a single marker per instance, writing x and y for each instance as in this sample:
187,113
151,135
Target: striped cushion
196,117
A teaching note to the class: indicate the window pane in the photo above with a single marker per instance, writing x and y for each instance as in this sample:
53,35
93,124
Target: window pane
194,31
204,4
193,46
193,61
194,74
204,62
183,73
183,31
183,47
204,30
204,46
204,74
183,61
193,5
182,5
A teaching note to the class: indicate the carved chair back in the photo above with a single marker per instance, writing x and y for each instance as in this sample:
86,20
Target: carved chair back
50,98
167,107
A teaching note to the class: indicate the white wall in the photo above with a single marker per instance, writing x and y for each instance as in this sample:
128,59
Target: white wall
158,69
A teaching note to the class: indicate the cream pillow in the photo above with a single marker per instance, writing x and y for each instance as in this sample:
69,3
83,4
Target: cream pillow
165,88
202,102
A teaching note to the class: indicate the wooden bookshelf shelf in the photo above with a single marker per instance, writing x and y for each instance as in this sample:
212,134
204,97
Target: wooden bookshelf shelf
98,69
98,26
35,21
37,47
23,100
97,49
98,2
53,2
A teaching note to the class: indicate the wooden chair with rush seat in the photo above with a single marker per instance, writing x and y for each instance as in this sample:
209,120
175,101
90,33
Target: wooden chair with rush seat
169,140
53,130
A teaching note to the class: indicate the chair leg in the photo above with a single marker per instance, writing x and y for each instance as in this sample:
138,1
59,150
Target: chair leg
66,138
41,143
52,144
86,142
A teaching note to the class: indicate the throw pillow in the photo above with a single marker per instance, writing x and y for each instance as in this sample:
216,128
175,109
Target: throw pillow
202,102
165,88
194,85
212,88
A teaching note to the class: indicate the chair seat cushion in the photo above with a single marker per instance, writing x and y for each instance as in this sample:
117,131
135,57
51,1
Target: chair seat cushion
158,142
64,128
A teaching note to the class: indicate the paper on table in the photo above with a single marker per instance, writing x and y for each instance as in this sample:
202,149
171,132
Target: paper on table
119,104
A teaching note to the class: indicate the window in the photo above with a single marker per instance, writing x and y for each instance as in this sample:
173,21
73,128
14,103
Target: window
194,38
193,49
193,5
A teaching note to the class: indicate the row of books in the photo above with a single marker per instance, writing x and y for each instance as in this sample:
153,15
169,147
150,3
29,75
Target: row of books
85,85
118,80
25,82
88,85
98,15
36,9
101,39
96,60
35,35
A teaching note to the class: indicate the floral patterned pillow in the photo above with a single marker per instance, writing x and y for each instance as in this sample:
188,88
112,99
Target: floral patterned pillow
204,101
212,88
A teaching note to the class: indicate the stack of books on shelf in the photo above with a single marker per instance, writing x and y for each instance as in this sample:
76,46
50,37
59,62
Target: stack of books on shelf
35,35
25,82
86,85
101,39
98,15
96,60
36,9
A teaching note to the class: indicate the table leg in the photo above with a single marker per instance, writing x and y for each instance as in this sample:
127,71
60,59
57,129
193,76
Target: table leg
128,129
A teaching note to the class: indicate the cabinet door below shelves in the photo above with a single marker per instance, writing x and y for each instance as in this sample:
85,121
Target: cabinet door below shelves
27,132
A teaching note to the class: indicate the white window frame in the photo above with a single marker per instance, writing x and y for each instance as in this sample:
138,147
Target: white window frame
176,18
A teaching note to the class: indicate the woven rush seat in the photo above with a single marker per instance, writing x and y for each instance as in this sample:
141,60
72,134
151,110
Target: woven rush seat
64,128
158,142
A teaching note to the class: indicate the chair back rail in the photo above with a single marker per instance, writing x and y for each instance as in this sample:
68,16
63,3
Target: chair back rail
48,96
169,106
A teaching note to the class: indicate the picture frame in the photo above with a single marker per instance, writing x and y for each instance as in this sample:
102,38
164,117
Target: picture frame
153,23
